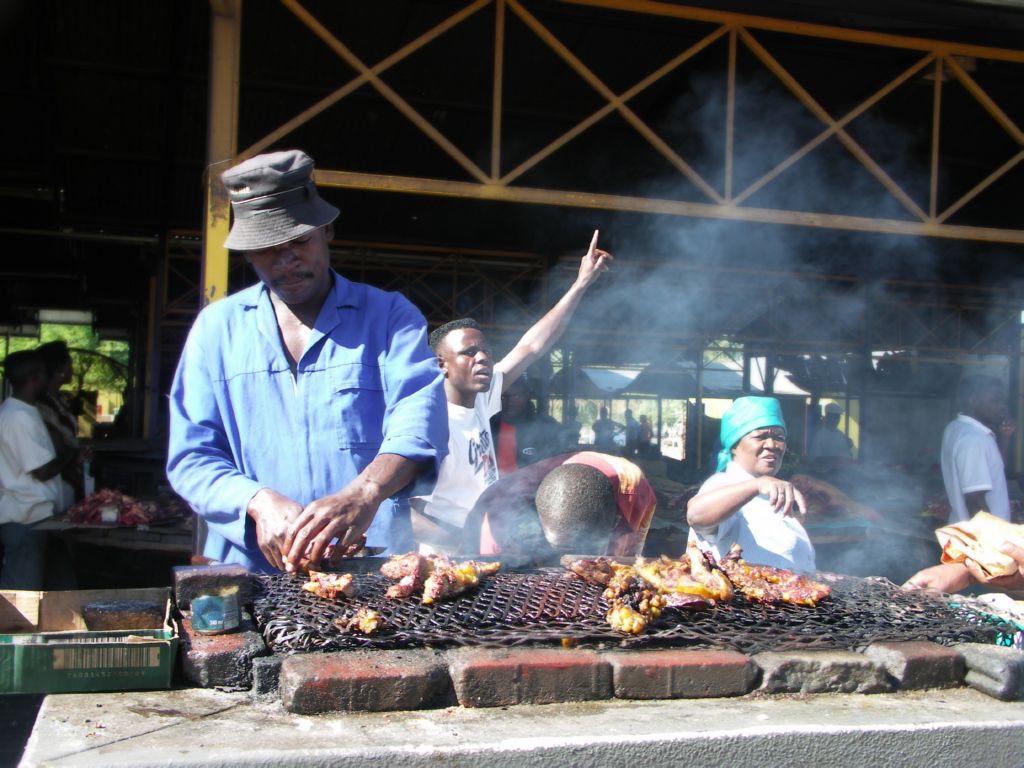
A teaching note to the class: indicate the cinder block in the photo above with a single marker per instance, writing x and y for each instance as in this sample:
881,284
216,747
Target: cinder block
193,580
266,674
680,674
220,661
821,672
994,670
373,681
494,678
919,664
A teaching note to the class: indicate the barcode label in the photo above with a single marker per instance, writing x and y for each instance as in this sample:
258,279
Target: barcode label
106,658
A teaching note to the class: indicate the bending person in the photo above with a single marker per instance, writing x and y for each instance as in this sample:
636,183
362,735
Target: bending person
744,502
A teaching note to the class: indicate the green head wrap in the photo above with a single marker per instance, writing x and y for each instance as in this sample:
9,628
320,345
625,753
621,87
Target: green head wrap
744,416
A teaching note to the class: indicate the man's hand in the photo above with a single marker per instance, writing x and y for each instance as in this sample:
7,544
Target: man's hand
1012,583
273,514
782,495
594,262
344,515
947,577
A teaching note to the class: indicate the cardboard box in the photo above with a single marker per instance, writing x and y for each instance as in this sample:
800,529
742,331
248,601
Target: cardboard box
45,646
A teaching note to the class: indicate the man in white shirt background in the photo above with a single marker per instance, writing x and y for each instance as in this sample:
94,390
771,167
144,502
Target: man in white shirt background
973,449
473,384
30,485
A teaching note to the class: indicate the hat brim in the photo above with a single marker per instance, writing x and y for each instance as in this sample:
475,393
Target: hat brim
277,226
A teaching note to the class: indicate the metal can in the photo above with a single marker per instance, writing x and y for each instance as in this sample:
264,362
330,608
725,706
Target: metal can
216,614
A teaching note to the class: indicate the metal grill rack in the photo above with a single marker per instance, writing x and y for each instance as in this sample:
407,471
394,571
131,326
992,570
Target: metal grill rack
548,606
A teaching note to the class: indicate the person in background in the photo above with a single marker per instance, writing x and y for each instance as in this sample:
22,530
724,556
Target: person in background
304,406
744,503
473,385
521,435
30,467
584,503
973,471
646,446
60,420
632,434
828,441
604,432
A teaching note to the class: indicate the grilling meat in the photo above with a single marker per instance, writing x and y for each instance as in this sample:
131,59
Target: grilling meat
330,585
765,584
410,571
449,579
436,576
692,574
593,571
365,620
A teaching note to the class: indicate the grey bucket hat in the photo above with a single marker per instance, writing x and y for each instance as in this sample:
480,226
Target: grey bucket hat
274,200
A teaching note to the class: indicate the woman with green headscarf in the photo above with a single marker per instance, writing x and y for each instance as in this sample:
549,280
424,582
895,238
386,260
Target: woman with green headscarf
744,503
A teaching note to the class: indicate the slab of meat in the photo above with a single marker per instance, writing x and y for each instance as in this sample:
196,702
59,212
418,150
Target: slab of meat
330,585
410,571
449,579
692,574
765,584
593,571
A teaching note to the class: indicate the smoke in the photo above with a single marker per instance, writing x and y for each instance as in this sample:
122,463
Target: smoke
679,283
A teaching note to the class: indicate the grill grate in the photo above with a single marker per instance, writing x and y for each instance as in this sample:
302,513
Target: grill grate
546,606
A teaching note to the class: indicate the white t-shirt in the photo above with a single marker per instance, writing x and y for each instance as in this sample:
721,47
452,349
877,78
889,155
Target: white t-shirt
471,464
25,445
971,462
766,536
829,444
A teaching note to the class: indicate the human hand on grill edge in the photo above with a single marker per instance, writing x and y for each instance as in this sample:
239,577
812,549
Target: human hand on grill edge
272,513
947,577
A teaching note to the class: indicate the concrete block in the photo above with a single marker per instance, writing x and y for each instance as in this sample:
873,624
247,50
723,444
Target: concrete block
220,661
680,674
919,664
486,677
373,681
821,672
994,670
266,674
193,580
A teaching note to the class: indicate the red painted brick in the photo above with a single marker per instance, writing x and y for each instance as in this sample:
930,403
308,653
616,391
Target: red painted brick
373,681
919,664
225,660
680,674
496,678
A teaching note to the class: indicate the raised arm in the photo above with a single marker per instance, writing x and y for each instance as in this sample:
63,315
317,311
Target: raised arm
546,331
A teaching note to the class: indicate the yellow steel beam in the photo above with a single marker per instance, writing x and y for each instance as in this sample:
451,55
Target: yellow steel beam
385,90
354,84
850,116
598,85
980,187
612,105
443,188
805,29
730,112
968,82
496,99
221,139
933,192
847,141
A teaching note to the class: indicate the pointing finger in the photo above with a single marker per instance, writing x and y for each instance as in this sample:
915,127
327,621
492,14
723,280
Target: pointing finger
593,243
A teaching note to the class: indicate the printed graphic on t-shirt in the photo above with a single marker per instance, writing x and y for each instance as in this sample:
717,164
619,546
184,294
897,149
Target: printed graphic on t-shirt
480,457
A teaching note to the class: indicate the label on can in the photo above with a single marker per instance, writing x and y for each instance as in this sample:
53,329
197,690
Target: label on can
215,614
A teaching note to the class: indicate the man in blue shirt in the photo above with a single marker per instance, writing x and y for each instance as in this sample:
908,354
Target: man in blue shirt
304,406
